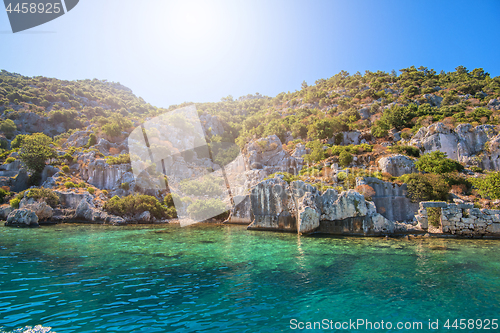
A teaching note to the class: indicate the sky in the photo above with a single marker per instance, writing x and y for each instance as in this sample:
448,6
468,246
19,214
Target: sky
169,52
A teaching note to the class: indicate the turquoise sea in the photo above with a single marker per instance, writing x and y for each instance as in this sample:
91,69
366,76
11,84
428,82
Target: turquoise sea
207,278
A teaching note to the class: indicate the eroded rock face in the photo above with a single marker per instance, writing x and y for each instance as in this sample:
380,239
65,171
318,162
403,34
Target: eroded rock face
22,218
466,144
42,210
397,165
266,156
241,212
273,206
78,139
299,207
390,199
213,123
5,210
101,174
88,212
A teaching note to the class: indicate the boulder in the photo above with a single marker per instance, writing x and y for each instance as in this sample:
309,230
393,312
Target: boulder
22,218
87,211
42,210
348,204
433,100
397,165
20,181
5,210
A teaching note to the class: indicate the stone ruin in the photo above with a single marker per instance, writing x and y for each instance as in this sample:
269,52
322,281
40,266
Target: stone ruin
461,219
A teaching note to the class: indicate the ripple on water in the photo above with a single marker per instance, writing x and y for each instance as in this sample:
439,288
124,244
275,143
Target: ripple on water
227,279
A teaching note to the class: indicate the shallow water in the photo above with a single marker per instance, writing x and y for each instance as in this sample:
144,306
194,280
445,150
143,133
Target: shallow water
205,278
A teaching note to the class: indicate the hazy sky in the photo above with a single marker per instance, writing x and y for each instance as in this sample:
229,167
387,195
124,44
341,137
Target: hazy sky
169,52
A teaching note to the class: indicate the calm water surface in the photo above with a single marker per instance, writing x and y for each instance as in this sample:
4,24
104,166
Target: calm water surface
204,278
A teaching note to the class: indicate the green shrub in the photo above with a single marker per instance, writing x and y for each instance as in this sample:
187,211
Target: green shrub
82,185
436,162
434,216
345,159
91,190
209,185
3,194
132,205
125,186
476,169
35,150
426,187
288,177
488,186
201,209
405,150
92,140
69,185
341,176
65,169
43,193
10,160
105,192
121,159
14,203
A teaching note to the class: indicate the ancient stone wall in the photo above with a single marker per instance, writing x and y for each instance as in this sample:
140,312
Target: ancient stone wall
462,219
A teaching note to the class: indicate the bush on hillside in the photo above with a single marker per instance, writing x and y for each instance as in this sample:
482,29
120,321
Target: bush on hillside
426,187
132,205
436,162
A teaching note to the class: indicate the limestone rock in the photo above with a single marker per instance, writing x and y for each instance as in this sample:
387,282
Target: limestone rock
378,224
348,204
78,139
213,123
145,217
433,100
306,200
241,212
397,165
22,218
273,206
88,212
42,210
465,144
5,210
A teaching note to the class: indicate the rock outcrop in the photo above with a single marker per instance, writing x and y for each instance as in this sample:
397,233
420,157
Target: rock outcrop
390,199
22,218
299,207
273,206
42,210
241,213
397,165
98,172
466,144
88,212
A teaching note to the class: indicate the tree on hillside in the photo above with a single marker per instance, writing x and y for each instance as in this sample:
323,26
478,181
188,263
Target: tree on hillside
436,162
36,150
